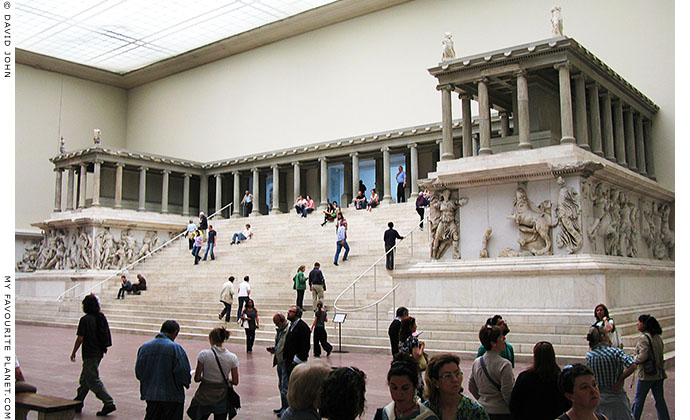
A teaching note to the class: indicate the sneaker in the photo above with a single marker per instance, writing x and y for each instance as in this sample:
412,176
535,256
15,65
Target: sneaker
344,259
107,409
328,353
220,316
79,408
277,410
335,263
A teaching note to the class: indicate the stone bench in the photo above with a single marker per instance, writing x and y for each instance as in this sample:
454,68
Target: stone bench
48,408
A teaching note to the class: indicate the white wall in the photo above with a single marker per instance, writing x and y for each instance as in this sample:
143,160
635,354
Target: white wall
369,74
50,105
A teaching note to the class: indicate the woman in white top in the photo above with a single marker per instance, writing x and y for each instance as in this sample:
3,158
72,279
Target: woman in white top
210,397
601,314
492,380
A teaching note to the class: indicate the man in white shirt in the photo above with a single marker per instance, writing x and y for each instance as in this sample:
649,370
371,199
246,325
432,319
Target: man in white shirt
243,291
245,234
227,292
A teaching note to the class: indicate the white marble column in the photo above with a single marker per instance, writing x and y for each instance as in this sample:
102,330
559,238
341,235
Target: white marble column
639,143
414,171
446,123
387,197
523,111
69,205
82,185
619,133
255,193
296,181
355,175
119,167
203,194
581,132
185,195
567,132
323,171
466,125
142,188
594,118
58,189
629,131
164,191
505,125
484,118
96,183
219,195
275,208
439,143
607,126
236,194
649,155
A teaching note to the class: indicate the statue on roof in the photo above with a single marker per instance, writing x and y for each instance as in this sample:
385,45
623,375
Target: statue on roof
556,21
96,136
448,48
62,145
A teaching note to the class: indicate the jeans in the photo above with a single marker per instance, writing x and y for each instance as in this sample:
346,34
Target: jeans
420,212
121,292
90,381
283,379
226,311
195,252
240,303
340,245
300,210
237,237
321,337
247,209
209,247
164,410
390,259
657,388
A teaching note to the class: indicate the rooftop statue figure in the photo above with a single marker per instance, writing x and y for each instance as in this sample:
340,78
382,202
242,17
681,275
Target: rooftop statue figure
448,48
556,21
96,136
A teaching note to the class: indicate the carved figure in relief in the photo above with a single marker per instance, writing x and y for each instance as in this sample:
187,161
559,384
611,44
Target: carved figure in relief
73,252
612,232
568,218
60,250
534,223
105,247
84,245
130,245
599,195
484,253
625,231
448,47
508,252
28,261
668,236
556,21
634,215
651,230
148,243
445,228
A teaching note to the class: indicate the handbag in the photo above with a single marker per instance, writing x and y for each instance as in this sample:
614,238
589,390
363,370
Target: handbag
649,365
423,362
232,396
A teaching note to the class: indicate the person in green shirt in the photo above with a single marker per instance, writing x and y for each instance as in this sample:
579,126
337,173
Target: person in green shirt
508,353
300,284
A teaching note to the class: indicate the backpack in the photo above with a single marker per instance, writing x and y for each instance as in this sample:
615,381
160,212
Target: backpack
103,332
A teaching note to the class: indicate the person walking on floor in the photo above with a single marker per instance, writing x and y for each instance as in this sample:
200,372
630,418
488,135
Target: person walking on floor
389,238
227,292
317,284
318,328
401,179
210,242
300,285
250,323
341,242
93,336
277,351
163,370
243,291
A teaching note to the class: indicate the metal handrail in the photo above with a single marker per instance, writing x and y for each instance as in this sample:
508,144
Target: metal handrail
62,295
373,266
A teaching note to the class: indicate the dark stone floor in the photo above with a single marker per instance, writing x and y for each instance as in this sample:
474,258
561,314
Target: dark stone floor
44,356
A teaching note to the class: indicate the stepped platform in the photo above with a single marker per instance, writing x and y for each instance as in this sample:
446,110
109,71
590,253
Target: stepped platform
188,293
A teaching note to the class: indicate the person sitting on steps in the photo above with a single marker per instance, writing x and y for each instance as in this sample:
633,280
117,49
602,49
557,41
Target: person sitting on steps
241,236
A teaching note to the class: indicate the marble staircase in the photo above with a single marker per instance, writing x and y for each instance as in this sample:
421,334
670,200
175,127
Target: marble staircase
189,294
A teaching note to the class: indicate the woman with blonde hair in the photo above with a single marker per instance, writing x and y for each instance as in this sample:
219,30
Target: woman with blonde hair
444,391
304,390
216,369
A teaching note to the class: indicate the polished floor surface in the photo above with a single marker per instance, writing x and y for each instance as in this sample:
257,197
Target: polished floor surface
44,356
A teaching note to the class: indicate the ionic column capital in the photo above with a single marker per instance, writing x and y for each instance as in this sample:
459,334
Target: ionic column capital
578,76
563,64
439,141
449,87
120,164
167,171
323,159
187,175
99,161
520,73
484,80
58,169
255,169
354,154
217,175
143,169
412,146
503,114
274,166
385,149
296,164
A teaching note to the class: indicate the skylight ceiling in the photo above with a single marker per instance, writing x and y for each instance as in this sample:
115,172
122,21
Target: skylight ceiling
124,35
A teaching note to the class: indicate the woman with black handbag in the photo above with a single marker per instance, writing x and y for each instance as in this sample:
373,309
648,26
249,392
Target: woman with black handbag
215,393
650,365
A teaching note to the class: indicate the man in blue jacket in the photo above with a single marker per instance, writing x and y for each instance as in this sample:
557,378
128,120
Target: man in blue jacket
163,371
